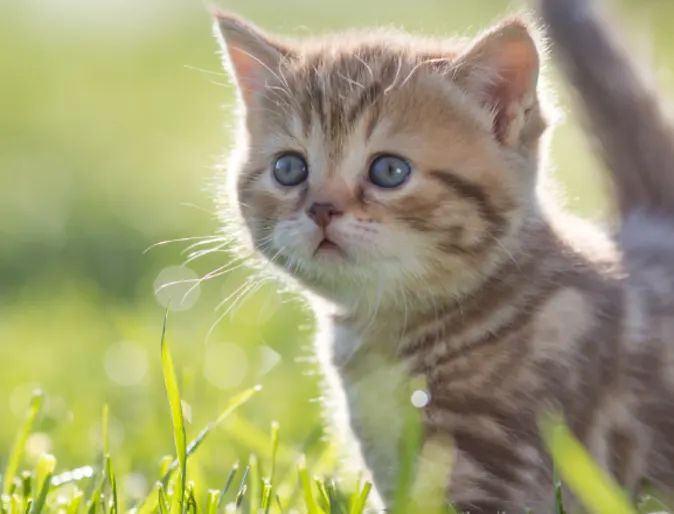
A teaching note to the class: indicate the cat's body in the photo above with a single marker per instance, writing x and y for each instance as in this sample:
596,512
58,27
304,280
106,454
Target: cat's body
395,179
547,330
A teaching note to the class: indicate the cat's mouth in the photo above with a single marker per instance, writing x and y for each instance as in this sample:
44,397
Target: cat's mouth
328,247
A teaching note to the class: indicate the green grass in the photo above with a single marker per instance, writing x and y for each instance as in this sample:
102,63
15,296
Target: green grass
175,490
178,491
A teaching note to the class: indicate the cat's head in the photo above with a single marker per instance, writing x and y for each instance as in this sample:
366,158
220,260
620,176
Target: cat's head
379,163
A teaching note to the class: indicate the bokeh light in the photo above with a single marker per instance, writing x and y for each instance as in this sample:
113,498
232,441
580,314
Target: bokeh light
178,286
126,363
420,398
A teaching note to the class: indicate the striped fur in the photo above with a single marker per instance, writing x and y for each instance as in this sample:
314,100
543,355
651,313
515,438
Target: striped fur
503,305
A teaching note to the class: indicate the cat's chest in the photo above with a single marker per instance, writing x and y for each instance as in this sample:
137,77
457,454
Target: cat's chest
377,388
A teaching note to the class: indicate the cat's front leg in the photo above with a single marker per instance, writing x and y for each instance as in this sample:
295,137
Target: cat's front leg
378,408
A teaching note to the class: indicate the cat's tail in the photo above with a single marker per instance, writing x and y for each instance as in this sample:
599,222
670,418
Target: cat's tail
622,115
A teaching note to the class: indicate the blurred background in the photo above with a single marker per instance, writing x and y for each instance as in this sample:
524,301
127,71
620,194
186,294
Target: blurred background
112,117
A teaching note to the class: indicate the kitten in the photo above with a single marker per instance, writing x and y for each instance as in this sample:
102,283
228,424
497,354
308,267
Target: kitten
395,179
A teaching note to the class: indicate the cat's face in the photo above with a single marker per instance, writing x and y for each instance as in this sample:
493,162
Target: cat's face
371,162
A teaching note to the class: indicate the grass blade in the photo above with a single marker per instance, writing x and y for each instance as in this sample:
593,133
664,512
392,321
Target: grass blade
96,494
322,492
279,504
559,502
92,504
228,483
255,481
165,466
75,501
337,501
43,473
274,450
161,499
242,488
359,506
355,496
16,507
213,501
175,403
597,492
191,504
16,454
312,507
113,483
173,490
233,404
147,505
26,484
266,497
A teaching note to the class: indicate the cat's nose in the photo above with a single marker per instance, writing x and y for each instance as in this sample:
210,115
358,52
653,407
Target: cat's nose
322,213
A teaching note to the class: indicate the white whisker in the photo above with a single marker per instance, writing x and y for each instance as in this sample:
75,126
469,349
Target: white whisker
178,240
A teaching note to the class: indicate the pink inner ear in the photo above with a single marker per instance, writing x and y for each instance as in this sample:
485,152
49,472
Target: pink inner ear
516,64
520,69
247,70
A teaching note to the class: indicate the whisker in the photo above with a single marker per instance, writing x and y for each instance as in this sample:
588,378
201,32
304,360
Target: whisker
236,291
197,207
195,255
178,240
202,243
218,272
242,290
209,72
175,283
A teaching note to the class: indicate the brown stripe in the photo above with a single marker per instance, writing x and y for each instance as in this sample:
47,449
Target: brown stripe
452,248
315,92
335,121
372,121
500,460
368,97
487,301
306,105
505,280
511,326
496,224
518,421
473,192
517,342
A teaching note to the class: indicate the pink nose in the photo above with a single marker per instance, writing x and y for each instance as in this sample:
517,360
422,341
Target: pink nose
322,213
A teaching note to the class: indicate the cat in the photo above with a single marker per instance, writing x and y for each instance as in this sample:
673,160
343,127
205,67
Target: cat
397,180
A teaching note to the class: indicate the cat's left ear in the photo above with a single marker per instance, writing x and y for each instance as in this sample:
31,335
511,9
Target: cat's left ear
252,57
501,70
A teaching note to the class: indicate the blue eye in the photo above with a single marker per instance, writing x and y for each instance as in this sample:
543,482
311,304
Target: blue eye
290,170
389,171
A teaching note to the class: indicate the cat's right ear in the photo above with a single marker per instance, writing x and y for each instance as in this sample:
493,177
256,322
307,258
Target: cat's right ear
250,56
